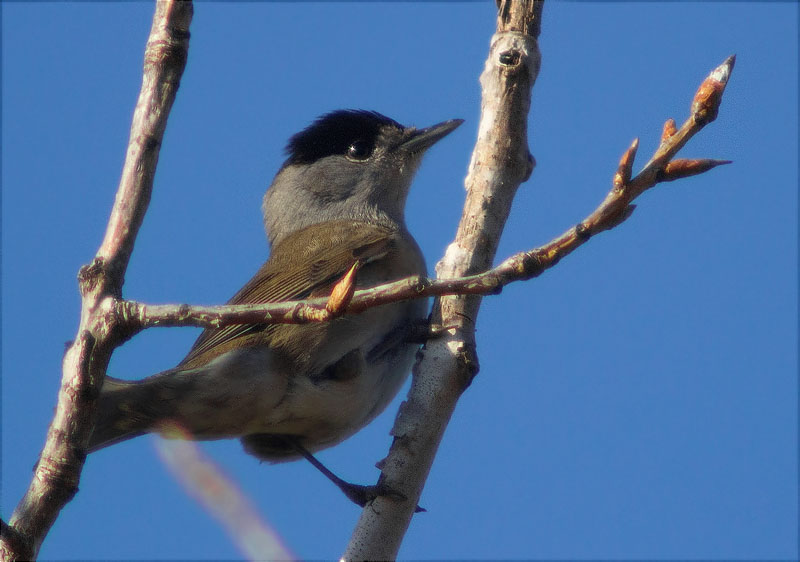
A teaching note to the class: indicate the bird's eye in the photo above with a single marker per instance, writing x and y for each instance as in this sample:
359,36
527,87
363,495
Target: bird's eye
359,150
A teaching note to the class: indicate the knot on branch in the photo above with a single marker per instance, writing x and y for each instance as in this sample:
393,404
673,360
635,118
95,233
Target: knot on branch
530,168
420,284
90,276
101,276
150,143
467,365
509,58
184,310
532,264
582,233
513,62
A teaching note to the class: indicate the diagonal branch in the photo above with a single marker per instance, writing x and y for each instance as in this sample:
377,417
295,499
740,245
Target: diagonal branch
164,61
58,470
614,210
500,163
448,365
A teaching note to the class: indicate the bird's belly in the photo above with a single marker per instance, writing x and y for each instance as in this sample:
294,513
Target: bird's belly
322,414
323,410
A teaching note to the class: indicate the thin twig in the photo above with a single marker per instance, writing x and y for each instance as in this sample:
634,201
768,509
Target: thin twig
448,364
614,209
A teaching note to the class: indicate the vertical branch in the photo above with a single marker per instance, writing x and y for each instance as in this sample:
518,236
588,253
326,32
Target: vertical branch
57,473
500,162
164,60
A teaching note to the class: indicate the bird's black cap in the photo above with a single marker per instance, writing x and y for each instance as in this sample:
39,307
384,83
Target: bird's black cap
334,132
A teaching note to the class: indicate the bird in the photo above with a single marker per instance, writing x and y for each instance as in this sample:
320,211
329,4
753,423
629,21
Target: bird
290,390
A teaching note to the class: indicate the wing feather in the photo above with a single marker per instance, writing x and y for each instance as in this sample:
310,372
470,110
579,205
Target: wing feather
305,264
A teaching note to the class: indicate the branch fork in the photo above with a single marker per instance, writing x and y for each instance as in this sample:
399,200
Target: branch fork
499,164
613,211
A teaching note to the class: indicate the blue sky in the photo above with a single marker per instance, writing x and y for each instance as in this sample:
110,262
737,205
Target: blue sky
637,401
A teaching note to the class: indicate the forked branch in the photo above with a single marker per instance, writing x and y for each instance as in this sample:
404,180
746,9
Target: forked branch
615,209
59,467
106,320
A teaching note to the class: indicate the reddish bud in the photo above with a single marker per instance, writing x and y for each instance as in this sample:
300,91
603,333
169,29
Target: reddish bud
342,292
682,168
669,129
623,174
705,105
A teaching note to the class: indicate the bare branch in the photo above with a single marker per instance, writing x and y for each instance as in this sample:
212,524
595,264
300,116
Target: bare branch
58,470
164,60
448,365
519,267
500,162
522,266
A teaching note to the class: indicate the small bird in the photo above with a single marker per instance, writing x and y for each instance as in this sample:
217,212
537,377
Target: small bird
287,390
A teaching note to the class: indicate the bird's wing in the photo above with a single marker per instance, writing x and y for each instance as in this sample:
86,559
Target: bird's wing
305,264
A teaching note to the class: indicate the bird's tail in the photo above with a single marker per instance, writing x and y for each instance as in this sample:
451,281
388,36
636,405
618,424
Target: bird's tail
219,402
119,414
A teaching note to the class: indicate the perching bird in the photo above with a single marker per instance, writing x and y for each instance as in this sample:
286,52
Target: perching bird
289,390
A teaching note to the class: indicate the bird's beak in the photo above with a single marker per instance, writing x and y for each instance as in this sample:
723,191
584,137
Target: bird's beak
422,139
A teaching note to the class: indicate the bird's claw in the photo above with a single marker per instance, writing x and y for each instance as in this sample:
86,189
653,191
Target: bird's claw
423,330
361,495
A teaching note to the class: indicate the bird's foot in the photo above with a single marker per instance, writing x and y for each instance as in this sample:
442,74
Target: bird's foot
361,495
423,330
